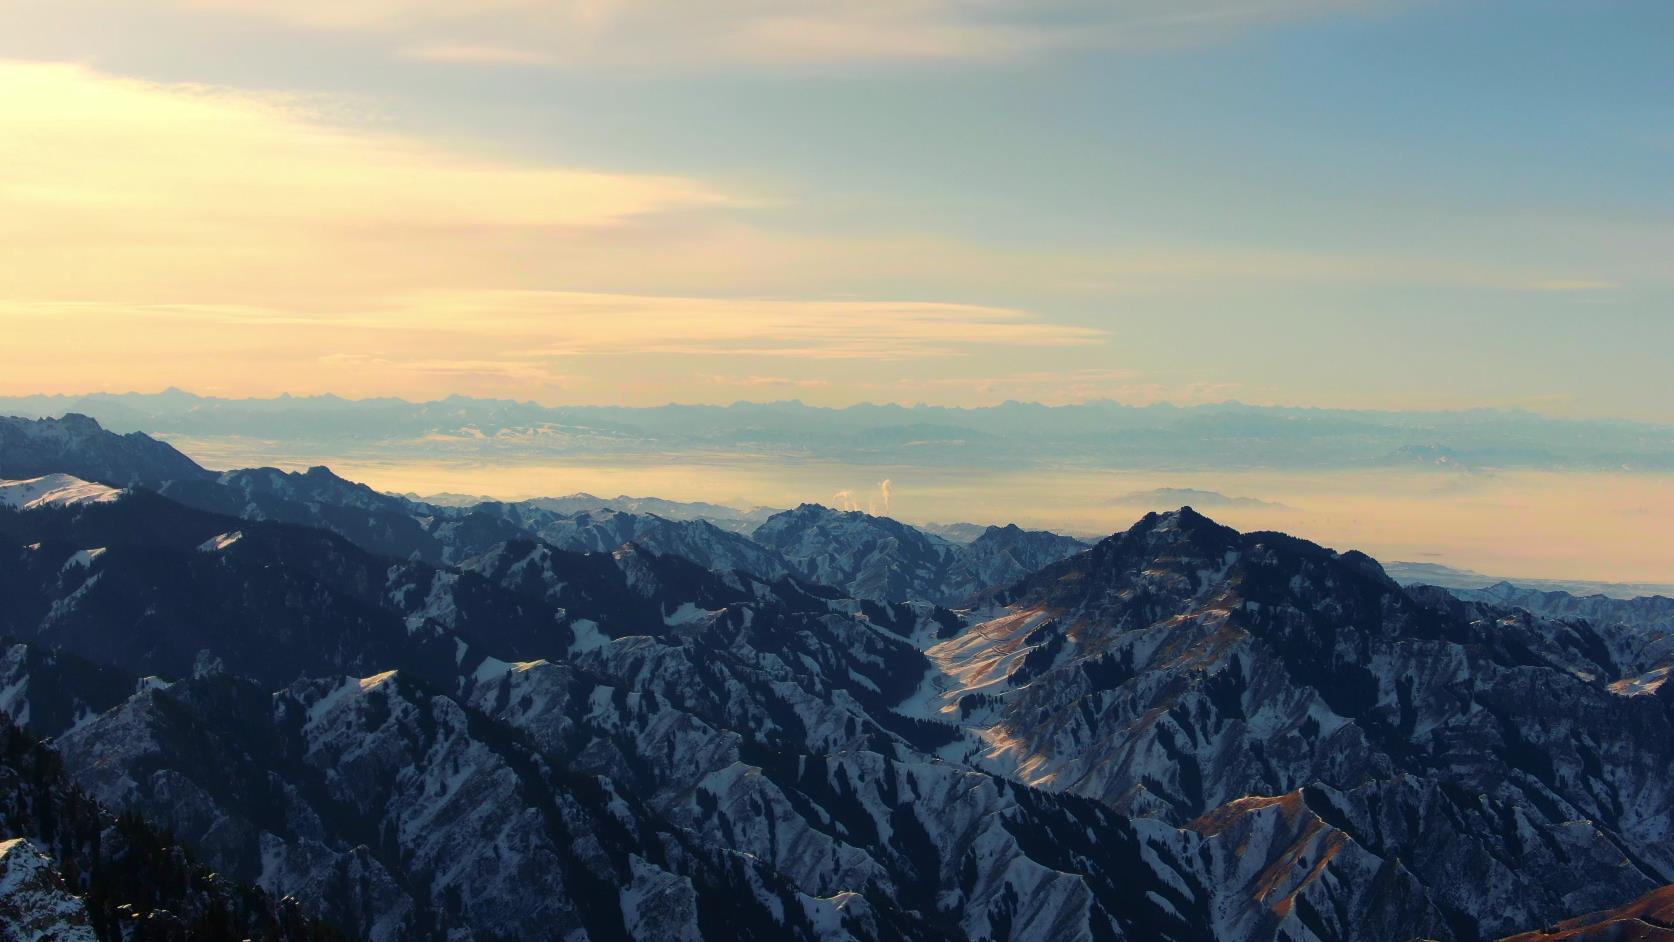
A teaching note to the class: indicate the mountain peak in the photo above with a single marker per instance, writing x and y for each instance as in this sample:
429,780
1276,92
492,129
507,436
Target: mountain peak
76,444
79,422
1179,526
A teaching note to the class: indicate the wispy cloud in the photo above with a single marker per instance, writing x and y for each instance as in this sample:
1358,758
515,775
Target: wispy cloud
248,242
776,33
1052,387
603,324
490,341
161,182
476,54
1571,285
768,382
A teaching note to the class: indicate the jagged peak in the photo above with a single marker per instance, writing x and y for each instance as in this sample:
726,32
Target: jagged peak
1199,554
1174,526
78,420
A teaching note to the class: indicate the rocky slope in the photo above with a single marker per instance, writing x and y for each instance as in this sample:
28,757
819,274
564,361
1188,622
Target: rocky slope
70,871
695,750
1482,768
602,530
861,555
880,558
1647,919
35,903
76,445
1183,732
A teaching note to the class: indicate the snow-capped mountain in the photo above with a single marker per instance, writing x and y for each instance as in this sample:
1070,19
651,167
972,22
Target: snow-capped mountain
675,707
1001,556
864,556
1362,748
880,558
75,445
1655,612
600,530
728,518
1181,733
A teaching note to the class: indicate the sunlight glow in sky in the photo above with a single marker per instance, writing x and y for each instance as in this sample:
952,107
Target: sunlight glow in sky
1323,202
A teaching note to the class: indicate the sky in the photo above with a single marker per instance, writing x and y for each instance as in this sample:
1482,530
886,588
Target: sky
1358,203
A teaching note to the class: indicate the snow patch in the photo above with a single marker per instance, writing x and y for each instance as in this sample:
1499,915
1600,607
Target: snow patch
82,558
215,544
588,637
686,614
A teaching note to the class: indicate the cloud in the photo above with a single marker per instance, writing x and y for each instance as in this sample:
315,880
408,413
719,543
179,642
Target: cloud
257,243
485,342
1051,387
1168,498
775,33
107,181
761,382
1572,285
571,323
476,54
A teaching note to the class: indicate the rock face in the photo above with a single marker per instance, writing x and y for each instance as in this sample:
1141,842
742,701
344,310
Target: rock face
878,558
1001,556
604,529
1639,632
35,904
1647,919
72,872
76,445
1406,762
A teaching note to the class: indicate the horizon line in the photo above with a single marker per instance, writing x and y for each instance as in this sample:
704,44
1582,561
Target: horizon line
858,404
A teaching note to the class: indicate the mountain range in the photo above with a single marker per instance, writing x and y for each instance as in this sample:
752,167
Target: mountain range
403,719
1223,436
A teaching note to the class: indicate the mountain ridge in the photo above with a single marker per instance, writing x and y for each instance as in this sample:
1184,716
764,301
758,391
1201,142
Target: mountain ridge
1181,732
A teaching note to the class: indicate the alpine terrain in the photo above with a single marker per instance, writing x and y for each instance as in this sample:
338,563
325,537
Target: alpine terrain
283,705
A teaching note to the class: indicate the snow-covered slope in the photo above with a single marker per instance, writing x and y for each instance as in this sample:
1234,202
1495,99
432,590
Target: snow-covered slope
880,558
602,530
35,905
53,490
1242,685
729,518
71,871
76,445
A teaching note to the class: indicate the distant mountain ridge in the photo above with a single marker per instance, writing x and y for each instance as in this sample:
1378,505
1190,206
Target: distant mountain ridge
1224,435
1448,577
880,558
403,528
